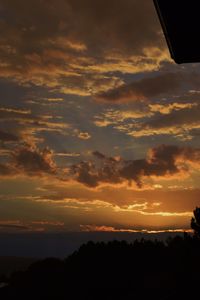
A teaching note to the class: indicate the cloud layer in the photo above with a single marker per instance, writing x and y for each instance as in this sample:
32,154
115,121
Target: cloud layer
163,84
29,161
162,161
52,44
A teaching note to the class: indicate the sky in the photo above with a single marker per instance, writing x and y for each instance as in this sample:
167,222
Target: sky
99,128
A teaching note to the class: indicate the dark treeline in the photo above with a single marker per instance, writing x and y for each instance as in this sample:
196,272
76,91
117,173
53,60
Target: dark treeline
115,270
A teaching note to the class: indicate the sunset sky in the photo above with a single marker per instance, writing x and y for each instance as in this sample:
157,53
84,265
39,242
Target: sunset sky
99,128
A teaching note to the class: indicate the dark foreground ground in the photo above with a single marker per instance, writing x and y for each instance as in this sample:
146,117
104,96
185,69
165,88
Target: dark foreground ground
114,270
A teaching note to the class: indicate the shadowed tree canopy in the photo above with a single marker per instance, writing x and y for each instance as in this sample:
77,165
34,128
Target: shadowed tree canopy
195,222
114,271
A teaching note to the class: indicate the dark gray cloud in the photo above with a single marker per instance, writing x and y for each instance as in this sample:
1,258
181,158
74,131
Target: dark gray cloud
92,174
99,155
33,161
7,170
183,124
182,117
29,161
8,137
129,25
26,127
162,161
67,44
117,26
14,226
164,84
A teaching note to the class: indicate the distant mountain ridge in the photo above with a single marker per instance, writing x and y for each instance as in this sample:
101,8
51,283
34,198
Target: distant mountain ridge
42,245
10,264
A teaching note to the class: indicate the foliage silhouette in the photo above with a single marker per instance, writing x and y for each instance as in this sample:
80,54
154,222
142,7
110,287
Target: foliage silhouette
195,222
114,270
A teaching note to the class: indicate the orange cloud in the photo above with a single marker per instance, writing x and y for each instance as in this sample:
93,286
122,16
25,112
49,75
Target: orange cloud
113,116
84,135
48,223
168,108
103,228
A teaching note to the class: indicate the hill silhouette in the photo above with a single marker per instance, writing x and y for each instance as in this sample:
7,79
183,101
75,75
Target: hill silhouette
114,270
10,264
144,269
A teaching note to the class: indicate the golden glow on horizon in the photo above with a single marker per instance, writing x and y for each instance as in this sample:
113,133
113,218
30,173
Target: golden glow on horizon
95,228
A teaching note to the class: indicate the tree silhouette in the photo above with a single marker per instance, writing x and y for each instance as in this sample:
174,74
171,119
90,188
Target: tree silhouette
114,270
195,222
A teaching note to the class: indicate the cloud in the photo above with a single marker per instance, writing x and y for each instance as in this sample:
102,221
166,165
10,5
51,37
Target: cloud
34,162
162,161
12,226
113,116
99,155
86,173
67,154
8,137
153,119
5,152
187,116
104,228
7,170
149,210
113,26
15,110
180,120
91,175
48,223
84,135
178,123
26,160
166,109
163,84
24,126
53,44
168,214
33,226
